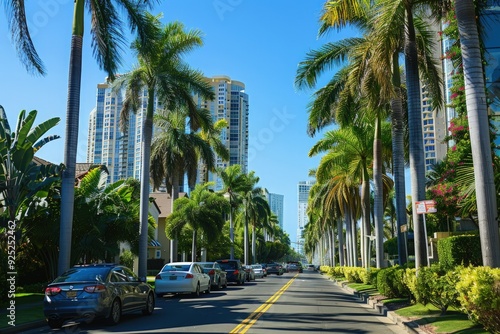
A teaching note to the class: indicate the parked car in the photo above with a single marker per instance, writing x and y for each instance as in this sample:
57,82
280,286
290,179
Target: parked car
218,277
250,273
182,277
294,266
258,270
311,267
274,268
264,269
235,271
99,290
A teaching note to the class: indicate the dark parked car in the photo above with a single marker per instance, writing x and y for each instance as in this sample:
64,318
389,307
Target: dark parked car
234,270
218,277
274,268
103,290
294,266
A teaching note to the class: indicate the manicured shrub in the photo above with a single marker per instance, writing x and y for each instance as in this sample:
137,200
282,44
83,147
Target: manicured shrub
354,274
436,286
127,259
460,250
390,282
479,295
410,280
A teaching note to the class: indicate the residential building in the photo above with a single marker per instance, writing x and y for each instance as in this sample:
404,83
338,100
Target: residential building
276,202
230,103
303,189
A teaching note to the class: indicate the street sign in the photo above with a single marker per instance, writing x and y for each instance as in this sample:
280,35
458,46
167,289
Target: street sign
403,228
428,206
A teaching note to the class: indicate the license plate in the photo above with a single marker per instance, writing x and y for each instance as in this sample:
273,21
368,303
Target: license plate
172,278
71,294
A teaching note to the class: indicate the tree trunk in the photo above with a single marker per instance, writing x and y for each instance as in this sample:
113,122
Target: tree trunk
398,159
254,245
174,253
147,134
340,236
479,133
366,224
417,166
378,199
71,139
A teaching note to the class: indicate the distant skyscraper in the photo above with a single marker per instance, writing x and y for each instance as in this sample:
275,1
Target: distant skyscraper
231,104
276,202
302,195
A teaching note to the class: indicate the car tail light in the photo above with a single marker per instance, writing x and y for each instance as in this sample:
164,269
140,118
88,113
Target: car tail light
211,272
189,276
158,276
236,272
94,288
52,290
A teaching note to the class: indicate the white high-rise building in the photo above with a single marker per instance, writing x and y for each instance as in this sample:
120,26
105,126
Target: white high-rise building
303,189
231,104
122,152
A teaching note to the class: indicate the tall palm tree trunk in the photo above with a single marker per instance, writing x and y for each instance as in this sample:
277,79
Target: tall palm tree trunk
331,234
193,246
479,133
254,245
71,139
231,229
417,166
398,159
245,241
340,236
354,237
378,196
174,252
365,225
147,135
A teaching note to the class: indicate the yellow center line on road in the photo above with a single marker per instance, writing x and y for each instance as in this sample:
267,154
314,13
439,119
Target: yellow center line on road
252,318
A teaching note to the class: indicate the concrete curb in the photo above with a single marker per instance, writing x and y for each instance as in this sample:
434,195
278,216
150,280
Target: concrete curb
409,326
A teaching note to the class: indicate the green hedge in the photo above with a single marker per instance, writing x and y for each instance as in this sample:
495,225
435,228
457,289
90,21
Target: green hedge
460,250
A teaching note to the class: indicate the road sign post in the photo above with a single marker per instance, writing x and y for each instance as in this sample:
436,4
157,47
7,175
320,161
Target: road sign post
423,208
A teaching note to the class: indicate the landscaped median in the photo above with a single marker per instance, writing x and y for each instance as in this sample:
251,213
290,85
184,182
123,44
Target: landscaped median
463,300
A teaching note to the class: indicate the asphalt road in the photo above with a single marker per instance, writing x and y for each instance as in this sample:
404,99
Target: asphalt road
300,303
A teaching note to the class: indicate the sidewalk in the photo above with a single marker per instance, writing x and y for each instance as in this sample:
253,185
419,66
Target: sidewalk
408,325
19,328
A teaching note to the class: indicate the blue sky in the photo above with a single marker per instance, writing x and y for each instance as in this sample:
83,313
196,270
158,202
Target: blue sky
254,41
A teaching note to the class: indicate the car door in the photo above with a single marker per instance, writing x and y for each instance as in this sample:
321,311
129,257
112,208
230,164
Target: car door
123,288
138,289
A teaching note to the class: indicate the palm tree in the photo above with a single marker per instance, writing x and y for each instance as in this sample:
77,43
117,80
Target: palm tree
107,41
234,181
212,135
201,211
479,132
21,37
175,153
169,82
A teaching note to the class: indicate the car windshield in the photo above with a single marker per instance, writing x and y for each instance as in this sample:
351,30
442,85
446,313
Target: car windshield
257,266
84,274
228,265
207,265
176,267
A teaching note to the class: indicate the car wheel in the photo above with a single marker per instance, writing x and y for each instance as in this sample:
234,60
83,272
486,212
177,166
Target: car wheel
197,292
150,305
209,288
55,323
115,313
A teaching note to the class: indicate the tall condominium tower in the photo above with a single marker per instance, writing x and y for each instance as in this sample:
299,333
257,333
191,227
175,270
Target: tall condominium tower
121,152
302,196
231,104
107,144
276,204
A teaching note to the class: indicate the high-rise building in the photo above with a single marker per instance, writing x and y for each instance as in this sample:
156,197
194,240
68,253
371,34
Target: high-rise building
303,189
276,202
231,104
121,152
